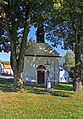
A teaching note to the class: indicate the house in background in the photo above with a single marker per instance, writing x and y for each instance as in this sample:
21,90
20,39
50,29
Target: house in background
63,75
7,69
1,67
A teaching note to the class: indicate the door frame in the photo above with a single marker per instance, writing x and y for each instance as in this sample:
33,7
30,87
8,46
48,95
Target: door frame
41,68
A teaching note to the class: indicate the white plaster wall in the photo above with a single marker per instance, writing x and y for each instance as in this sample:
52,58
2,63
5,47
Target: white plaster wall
31,64
1,68
8,70
63,76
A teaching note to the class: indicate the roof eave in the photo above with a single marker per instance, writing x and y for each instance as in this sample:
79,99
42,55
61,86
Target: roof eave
43,56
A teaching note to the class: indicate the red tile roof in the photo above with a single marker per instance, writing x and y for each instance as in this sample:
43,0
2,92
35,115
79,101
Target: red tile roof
7,67
0,61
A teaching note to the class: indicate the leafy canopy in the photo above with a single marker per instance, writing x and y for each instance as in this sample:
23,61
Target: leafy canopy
63,23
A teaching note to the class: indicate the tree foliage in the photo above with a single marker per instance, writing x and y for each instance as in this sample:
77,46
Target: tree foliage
68,61
30,42
66,28
4,42
64,21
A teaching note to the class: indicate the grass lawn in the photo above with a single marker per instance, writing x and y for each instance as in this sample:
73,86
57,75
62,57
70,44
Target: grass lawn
35,103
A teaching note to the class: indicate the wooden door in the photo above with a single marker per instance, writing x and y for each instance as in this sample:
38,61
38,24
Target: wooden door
40,77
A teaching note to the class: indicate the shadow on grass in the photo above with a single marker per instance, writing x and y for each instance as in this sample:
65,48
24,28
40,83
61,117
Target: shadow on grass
41,90
4,74
64,86
35,89
6,85
6,81
61,93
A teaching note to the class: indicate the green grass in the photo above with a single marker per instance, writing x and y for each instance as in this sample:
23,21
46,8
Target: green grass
35,103
4,74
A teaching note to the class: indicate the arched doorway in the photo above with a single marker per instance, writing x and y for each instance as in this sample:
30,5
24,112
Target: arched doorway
41,74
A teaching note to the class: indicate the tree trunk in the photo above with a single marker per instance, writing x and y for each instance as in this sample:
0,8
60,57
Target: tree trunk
18,63
40,33
77,84
18,83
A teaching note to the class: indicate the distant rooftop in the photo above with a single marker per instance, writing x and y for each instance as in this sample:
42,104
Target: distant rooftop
6,66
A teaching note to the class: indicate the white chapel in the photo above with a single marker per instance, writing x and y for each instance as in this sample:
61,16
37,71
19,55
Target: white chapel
39,59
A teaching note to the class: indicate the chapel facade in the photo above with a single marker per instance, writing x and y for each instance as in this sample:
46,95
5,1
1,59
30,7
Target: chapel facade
39,59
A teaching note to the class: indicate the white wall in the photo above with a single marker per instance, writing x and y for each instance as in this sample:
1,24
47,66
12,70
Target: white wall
8,70
31,64
63,75
1,68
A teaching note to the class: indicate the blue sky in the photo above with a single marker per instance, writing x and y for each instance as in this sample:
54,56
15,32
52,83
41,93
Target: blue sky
6,56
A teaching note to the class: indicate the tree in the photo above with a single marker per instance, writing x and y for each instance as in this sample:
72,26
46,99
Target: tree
4,42
16,15
30,42
68,62
66,23
40,12
16,18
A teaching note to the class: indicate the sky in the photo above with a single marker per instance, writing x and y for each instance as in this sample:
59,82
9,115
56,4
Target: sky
6,56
